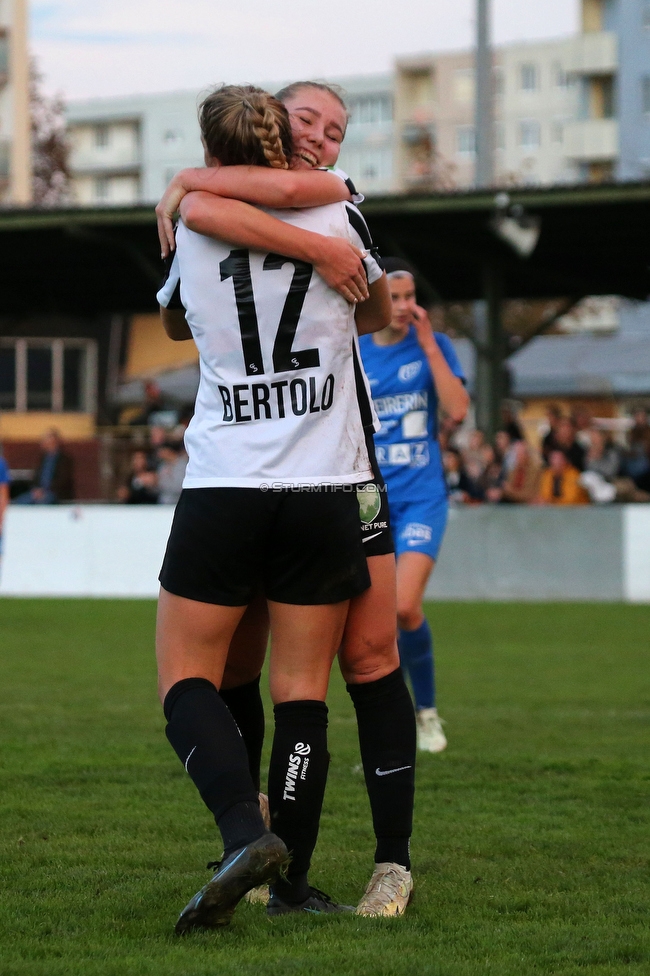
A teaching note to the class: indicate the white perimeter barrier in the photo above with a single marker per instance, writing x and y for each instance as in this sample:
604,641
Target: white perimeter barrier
502,552
84,550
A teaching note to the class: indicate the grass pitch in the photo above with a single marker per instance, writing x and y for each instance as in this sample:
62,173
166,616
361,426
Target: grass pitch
530,851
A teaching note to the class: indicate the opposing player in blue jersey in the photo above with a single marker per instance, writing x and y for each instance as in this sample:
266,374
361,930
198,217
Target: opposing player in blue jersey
412,372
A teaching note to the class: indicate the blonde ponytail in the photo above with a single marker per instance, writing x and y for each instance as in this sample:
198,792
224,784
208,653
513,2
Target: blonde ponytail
244,125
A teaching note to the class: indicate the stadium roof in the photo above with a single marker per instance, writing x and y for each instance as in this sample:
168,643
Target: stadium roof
593,240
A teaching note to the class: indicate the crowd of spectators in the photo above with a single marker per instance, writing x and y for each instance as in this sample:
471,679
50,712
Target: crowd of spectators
578,463
155,475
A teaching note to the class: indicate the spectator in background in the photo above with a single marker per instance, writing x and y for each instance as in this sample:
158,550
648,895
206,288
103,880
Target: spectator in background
602,476
53,479
458,486
472,454
560,482
4,492
503,450
521,484
602,457
554,416
510,423
171,471
493,474
142,485
158,437
153,403
637,463
582,421
565,441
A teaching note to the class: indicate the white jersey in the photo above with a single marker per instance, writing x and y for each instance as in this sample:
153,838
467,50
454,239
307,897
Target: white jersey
282,398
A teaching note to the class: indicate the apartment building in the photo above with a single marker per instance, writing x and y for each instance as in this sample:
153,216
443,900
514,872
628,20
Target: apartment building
553,114
15,163
570,110
126,150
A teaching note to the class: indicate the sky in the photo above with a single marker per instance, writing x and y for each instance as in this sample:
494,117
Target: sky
89,48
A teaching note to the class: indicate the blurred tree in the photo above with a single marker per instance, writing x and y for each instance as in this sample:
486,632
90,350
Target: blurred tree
50,149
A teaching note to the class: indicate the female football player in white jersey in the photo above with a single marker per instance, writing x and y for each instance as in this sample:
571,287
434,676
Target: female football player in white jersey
368,657
276,449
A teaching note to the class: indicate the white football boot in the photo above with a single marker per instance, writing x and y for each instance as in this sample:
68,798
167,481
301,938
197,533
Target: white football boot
389,891
431,738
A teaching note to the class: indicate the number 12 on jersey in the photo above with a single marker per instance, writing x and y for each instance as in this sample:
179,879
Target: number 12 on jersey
237,266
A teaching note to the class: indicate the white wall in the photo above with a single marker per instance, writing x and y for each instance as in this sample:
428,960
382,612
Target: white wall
490,553
84,550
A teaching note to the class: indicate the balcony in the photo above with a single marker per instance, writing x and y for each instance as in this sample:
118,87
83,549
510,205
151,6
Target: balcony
591,139
593,54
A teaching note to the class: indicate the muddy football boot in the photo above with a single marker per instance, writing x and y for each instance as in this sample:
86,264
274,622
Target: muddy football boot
255,864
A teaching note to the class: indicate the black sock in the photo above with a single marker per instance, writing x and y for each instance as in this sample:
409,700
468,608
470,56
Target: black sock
208,743
297,778
246,707
387,740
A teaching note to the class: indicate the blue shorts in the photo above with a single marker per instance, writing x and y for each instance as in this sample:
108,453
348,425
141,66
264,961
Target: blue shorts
419,526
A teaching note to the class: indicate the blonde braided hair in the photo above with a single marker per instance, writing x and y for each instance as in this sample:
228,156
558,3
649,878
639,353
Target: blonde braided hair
244,125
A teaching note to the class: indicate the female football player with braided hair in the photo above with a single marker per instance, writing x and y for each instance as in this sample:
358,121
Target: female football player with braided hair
368,657
277,410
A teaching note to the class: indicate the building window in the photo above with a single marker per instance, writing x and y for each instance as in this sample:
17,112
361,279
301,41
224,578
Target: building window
102,136
557,131
172,136
499,80
375,164
48,374
465,140
529,77
371,109
645,95
561,78
499,135
7,378
529,134
102,188
464,86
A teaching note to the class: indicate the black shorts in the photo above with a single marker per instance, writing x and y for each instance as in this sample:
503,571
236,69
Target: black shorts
373,509
300,546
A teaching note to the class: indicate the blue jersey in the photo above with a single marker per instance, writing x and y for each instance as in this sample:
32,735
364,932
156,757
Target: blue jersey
406,402
4,471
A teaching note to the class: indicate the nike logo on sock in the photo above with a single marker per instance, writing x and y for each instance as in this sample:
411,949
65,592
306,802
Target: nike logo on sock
367,538
387,772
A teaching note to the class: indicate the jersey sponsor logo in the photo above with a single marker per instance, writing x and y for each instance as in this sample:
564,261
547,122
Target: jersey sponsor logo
409,371
401,403
369,500
415,455
414,424
415,533
297,767
274,401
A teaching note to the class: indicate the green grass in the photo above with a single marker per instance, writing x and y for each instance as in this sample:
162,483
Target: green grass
530,850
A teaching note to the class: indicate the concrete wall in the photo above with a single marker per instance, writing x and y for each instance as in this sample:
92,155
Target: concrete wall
490,553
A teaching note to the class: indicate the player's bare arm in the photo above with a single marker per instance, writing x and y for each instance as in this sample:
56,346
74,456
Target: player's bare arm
452,395
175,323
276,188
336,260
375,314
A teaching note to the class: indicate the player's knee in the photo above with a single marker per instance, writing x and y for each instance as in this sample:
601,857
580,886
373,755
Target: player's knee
409,615
369,660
